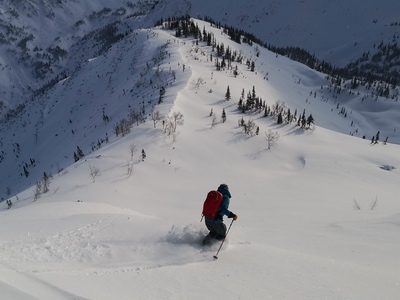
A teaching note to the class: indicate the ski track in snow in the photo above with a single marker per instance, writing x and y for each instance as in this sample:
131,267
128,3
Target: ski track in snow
84,248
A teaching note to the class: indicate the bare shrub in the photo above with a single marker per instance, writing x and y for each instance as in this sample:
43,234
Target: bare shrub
356,206
271,138
374,203
130,168
156,117
94,172
132,150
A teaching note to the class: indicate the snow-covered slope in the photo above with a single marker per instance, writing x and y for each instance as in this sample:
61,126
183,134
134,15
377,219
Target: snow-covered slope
84,109
318,212
44,41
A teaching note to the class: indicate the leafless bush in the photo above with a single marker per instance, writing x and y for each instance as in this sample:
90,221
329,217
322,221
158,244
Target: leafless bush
271,138
172,122
45,182
130,168
156,117
356,205
123,127
169,127
177,118
374,203
249,127
213,120
132,150
38,190
94,172
42,186
198,82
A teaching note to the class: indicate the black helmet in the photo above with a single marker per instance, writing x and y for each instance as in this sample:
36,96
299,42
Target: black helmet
224,186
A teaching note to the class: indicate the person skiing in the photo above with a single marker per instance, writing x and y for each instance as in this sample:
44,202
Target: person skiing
216,226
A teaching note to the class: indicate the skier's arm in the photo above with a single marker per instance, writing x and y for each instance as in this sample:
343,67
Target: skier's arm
223,210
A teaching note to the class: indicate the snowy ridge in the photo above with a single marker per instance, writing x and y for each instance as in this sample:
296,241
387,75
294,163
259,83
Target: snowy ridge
43,41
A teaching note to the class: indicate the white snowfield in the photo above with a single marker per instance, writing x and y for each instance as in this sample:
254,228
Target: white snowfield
298,233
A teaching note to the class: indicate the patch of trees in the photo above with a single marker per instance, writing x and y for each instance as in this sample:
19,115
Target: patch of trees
172,123
42,186
123,127
100,14
47,86
12,113
57,52
383,66
108,36
252,103
185,27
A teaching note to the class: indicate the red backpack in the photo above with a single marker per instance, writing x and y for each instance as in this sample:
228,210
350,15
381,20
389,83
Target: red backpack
211,204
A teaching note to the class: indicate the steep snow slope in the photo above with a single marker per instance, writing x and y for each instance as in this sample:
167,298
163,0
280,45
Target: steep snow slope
125,236
128,78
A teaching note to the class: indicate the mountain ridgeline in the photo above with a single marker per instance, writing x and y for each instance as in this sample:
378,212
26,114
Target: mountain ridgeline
380,72
34,59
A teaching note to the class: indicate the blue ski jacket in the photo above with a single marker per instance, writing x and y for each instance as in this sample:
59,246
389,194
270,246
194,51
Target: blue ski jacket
224,208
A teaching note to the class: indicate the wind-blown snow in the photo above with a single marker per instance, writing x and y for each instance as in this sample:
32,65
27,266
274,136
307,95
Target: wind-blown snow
115,236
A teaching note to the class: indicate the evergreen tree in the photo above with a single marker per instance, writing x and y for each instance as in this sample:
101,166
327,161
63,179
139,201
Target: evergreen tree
241,122
228,94
310,120
253,93
288,116
377,137
235,71
266,111
26,173
303,121
253,66
76,158
223,63
240,104
79,152
223,117
280,118
249,102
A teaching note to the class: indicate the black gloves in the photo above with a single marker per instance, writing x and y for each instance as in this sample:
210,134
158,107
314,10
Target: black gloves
232,215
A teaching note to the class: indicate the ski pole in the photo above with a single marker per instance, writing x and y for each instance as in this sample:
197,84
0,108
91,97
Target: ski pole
216,255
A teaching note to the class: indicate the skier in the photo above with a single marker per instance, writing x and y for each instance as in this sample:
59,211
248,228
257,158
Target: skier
216,226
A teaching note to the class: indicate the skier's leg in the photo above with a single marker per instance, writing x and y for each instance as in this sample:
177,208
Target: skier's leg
217,230
212,235
221,231
211,227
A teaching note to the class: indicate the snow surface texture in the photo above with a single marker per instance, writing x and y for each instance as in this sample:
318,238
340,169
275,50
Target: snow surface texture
299,235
